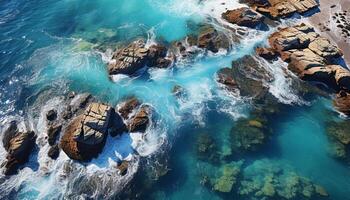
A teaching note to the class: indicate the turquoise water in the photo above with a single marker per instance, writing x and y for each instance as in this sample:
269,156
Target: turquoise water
48,48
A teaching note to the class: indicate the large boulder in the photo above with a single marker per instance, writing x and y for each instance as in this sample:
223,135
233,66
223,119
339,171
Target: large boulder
85,136
19,145
301,60
137,55
284,8
129,59
324,48
210,39
243,17
334,76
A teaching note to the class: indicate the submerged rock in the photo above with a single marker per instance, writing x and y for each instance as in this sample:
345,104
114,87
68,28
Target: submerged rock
339,134
243,17
282,8
18,145
268,179
228,177
206,148
249,134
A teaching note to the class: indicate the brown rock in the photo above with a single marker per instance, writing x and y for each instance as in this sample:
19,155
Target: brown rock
342,102
127,107
85,136
243,17
212,40
18,145
129,59
301,60
266,53
141,119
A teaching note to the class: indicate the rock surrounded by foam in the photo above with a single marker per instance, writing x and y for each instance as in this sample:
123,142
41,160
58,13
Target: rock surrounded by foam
85,136
19,145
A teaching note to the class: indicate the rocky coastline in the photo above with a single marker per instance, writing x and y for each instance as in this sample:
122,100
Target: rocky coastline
317,64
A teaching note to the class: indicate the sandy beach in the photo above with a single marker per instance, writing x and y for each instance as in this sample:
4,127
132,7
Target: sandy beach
325,22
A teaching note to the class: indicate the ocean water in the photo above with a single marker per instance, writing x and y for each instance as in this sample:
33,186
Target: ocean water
49,48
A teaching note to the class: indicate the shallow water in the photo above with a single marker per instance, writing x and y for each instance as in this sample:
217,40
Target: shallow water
48,48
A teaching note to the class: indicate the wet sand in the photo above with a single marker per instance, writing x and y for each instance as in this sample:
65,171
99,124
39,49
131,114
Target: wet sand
324,20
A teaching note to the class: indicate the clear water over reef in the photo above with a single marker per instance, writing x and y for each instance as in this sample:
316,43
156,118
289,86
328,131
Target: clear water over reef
49,48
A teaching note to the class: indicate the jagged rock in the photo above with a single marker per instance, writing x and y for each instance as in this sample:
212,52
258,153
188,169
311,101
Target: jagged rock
296,37
225,77
157,56
18,145
250,76
342,102
210,39
266,53
53,132
129,59
85,136
334,76
54,152
141,119
284,8
76,105
243,17
324,48
301,60
135,56
128,107
51,115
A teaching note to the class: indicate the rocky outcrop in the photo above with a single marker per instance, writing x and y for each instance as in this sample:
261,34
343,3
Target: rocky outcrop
85,136
282,8
211,39
136,56
140,121
310,56
243,17
19,145
266,53
54,151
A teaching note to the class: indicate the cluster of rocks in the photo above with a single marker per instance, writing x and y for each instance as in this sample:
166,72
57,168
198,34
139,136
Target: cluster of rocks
343,22
19,144
313,58
137,55
282,8
85,136
85,125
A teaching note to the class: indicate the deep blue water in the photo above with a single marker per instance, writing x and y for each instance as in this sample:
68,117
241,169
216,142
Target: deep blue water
46,50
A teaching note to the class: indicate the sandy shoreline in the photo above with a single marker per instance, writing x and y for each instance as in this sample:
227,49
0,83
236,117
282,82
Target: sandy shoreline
324,20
